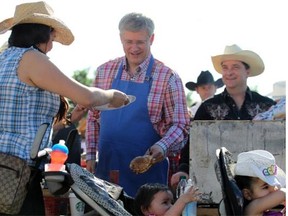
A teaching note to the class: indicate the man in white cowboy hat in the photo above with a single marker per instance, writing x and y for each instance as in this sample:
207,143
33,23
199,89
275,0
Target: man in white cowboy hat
237,101
262,182
205,87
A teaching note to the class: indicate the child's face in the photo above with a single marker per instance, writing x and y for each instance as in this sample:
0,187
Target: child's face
161,202
261,189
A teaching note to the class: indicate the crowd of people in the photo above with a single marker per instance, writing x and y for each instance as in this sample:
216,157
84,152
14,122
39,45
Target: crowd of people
157,123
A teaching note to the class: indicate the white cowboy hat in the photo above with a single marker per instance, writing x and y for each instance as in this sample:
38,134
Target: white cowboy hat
234,52
261,164
42,13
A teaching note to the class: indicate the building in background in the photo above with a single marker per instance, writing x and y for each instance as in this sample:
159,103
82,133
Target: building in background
279,90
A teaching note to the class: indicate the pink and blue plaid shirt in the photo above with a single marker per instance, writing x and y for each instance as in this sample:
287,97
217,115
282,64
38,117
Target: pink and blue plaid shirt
166,104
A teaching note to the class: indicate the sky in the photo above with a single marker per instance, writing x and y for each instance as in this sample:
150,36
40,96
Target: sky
187,34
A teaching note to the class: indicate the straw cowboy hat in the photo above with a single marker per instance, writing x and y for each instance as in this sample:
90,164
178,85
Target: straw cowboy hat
234,52
42,13
204,78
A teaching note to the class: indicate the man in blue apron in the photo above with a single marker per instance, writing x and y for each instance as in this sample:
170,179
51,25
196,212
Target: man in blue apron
156,123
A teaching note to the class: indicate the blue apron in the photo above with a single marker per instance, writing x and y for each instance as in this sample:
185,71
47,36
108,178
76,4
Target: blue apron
126,133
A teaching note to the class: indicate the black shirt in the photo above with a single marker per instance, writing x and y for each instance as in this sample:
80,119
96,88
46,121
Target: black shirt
223,107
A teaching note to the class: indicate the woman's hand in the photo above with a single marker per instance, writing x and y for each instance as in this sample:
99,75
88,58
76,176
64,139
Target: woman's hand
118,98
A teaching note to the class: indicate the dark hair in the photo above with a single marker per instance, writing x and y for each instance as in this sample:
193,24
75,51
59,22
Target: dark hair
62,112
29,34
145,195
245,65
244,182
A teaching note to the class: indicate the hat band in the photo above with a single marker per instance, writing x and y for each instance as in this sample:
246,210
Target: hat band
272,170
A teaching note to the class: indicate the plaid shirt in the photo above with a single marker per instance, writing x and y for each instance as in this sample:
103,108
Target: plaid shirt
23,108
166,104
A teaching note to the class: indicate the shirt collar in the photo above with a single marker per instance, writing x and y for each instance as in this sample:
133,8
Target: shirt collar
248,94
142,67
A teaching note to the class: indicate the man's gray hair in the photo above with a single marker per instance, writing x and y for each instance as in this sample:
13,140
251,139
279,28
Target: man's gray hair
135,22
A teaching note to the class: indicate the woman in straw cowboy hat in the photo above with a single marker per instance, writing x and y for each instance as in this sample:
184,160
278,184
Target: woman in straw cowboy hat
31,86
237,101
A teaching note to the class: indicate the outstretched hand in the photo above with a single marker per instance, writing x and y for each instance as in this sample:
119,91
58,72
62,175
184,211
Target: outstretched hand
118,98
156,152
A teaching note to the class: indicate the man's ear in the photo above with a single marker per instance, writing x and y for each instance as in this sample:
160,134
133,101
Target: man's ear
248,71
247,194
151,39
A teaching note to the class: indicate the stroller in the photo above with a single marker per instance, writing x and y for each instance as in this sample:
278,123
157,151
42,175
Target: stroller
104,197
232,202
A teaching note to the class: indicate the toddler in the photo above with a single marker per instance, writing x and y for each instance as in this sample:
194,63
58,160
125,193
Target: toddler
261,181
154,199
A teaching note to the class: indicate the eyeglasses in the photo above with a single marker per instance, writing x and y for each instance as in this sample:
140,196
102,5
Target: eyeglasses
138,43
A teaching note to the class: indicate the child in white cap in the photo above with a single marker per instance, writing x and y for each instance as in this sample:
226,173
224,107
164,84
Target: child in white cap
262,183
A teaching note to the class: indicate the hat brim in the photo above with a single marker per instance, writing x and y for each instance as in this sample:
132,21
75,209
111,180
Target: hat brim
63,34
274,180
219,83
252,59
192,85
247,168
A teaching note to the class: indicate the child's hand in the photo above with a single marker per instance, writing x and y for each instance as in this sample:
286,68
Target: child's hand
191,195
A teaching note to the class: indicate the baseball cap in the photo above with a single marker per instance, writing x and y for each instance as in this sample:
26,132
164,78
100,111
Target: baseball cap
261,164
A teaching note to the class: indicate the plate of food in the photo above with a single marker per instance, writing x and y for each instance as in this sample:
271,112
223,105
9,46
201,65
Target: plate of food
108,106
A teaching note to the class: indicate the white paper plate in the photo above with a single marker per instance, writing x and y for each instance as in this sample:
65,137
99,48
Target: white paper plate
132,98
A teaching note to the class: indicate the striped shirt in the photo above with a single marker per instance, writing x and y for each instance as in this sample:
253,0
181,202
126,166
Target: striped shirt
166,104
23,108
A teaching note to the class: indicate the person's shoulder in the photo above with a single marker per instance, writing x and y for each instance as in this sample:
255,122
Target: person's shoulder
29,51
261,98
214,99
112,62
163,68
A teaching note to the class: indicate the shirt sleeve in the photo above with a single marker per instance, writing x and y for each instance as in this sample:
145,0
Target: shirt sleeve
174,124
92,135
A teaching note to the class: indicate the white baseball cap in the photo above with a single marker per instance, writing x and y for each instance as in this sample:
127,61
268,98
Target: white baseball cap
261,164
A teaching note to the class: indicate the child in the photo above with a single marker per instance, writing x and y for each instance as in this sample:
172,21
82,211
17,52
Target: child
261,182
154,199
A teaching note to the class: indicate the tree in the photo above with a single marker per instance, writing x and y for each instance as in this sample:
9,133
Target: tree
189,99
82,77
